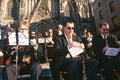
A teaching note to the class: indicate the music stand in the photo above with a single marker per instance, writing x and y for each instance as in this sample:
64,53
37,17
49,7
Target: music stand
45,40
16,35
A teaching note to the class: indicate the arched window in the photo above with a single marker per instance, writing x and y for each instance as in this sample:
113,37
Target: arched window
115,21
84,11
66,9
9,8
112,6
61,5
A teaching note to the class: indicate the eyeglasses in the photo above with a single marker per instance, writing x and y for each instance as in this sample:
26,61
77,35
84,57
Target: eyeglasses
70,28
105,29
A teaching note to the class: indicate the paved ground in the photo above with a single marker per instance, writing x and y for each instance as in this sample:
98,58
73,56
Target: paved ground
46,74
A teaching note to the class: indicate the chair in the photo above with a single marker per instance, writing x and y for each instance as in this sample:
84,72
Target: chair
101,70
117,74
100,73
49,53
1,60
63,73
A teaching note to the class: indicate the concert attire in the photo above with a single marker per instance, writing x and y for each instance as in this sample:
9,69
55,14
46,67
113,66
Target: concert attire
72,65
107,62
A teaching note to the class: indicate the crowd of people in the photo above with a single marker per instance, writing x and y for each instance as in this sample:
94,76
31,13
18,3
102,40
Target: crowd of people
58,50
26,58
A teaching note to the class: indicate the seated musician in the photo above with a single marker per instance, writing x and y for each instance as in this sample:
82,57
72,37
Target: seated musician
49,44
102,42
27,61
64,60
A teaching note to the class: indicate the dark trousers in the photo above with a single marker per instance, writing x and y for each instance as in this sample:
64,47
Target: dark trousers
9,72
74,68
91,66
69,65
109,65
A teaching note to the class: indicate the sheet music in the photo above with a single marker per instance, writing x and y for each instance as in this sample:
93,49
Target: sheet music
45,40
111,52
23,38
41,40
74,51
12,38
33,41
49,39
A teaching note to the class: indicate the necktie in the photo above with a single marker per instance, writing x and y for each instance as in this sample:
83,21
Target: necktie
105,37
69,39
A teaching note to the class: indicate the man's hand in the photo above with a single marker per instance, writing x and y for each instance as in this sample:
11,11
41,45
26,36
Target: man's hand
118,49
105,49
75,44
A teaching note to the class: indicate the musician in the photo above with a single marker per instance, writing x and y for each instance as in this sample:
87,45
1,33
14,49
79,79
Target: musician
4,43
64,60
27,59
49,45
101,42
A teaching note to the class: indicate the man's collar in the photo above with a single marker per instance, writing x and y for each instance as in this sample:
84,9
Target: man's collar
67,36
104,36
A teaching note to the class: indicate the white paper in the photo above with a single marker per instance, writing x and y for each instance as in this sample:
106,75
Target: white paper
45,40
111,52
41,40
23,38
74,51
48,39
33,41
12,38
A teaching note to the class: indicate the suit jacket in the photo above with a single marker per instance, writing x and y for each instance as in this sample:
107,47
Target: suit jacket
99,43
60,47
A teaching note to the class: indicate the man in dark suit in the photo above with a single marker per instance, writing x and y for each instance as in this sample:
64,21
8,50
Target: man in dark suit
101,43
64,60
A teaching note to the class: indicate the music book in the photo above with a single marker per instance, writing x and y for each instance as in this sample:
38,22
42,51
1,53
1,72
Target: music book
74,51
111,52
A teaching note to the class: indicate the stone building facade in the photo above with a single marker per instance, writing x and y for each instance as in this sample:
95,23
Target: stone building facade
108,10
45,14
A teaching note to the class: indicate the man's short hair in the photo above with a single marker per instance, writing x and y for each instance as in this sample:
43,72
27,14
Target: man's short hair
103,23
67,21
